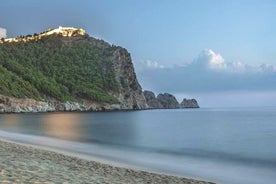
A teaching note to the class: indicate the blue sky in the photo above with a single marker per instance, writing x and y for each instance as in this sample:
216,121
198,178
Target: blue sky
170,34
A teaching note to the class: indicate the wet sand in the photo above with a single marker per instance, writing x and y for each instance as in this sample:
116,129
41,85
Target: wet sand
25,164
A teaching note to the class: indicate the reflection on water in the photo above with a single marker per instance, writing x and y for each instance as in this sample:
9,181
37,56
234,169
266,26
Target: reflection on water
11,121
226,137
118,128
63,126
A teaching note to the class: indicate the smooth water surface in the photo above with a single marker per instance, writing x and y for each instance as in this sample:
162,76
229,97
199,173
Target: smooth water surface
227,145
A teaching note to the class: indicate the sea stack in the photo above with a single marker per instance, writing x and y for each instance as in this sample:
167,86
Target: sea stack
167,101
151,100
189,103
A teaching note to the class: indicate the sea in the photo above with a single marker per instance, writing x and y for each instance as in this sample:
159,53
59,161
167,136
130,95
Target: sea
223,145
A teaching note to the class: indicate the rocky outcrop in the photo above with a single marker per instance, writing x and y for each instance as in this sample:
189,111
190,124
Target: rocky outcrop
130,94
189,103
167,101
15,105
10,104
151,100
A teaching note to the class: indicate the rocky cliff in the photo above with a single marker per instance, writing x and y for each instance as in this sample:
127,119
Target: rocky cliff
167,101
130,94
151,100
65,69
189,103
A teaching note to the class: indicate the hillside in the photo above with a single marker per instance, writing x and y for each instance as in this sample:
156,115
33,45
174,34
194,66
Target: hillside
66,66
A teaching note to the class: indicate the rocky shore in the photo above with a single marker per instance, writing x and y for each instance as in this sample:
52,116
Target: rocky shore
22,105
162,101
22,164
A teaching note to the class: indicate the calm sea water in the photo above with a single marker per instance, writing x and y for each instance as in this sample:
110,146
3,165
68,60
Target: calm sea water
224,145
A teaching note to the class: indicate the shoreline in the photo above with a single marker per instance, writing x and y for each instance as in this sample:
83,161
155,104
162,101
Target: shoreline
96,111
31,163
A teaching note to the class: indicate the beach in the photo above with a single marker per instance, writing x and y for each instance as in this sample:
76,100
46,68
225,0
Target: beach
26,164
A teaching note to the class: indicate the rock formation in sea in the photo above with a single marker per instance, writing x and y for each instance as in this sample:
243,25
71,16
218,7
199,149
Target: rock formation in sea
189,103
151,100
167,101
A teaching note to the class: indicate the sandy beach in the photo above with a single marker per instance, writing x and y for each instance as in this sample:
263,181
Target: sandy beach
24,164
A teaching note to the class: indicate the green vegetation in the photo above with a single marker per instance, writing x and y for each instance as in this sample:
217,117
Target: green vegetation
62,68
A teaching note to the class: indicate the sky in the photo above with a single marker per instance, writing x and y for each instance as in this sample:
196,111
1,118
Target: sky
219,52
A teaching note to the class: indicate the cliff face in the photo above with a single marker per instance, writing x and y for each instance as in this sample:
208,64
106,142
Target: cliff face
66,70
130,92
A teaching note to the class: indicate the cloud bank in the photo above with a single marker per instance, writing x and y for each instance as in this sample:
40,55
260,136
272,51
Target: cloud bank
212,61
3,33
208,72
152,64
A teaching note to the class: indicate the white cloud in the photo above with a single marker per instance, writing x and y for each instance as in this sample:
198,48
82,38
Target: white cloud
149,64
3,33
210,60
208,72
